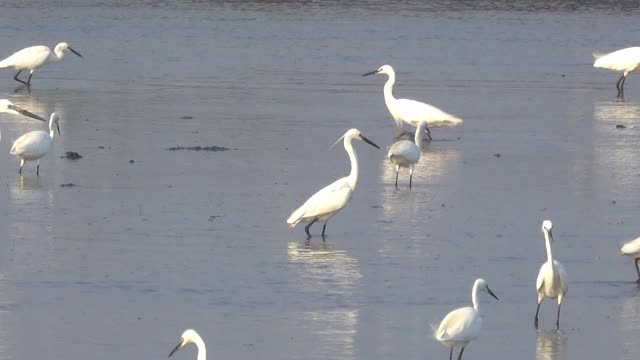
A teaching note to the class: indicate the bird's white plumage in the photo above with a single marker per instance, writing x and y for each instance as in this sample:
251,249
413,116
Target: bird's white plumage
625,60
30,58
35,144
191,336
405,153
632,248
552,283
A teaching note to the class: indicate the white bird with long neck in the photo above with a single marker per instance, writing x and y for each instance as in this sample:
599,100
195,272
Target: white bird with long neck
35,144
463,325
8,107
552,278
191,336
32,58
632,250
405,153
329,200
624,60
410,112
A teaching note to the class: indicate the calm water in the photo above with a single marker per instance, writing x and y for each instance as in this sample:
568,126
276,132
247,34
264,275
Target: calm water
117,266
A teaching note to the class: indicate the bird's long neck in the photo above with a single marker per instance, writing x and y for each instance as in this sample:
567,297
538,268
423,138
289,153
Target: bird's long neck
547,242
353,158
474,296
52,129
419,135
202,349
388,89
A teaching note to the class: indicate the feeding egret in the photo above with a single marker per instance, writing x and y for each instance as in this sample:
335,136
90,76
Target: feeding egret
191,336
406,111
34,57
328,201
405,153
463,325
8,107
552,278
35,144
624,60
632,249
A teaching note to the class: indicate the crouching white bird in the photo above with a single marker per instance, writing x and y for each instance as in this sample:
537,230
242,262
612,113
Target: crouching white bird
191,336
35,144
32,58
331,199
632,249
405,153
410,112
625,60
8,107
463,325
552,278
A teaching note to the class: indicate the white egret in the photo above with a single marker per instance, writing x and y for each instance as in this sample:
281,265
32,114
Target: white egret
406,111
191,336
329,200
624,60
632,249
8,107
552,278
35,144
463,325
405,153
32,58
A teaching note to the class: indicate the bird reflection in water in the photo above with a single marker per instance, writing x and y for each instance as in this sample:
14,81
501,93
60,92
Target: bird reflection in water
550,345
630,319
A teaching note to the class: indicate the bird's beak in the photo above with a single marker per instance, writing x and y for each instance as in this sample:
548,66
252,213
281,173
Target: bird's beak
371,73
550,235
178,347
58,127
368,141
75,52
492,294
25,112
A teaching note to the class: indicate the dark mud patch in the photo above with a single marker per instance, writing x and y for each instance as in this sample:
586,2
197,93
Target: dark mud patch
71,155
199,148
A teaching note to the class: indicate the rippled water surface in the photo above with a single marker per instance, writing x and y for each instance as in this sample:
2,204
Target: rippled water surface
150,241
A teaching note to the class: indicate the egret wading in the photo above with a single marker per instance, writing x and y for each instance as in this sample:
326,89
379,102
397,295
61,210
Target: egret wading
32,58
35,144
625,60
405,153
552,278
410,112
8,107
191,336
463,325
332,198
632,250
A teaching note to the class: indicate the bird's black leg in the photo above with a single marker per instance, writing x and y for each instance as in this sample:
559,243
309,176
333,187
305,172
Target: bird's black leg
324,227
638,269
624,78
451,353
558,318
460,355
306,228
18,80
618,85
38,170
29,80
535,322
397,178
410,179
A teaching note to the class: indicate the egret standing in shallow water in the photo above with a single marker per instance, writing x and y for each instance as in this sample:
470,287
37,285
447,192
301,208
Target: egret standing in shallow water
35,144
32,58
405,153
463,325
406,111
625,60
8,107
552,278
328,201
632,249
191,336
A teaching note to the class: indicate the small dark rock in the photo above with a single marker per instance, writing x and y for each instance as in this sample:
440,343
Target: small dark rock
497,155
131,161
68,185
442,205
620,126
613,202
101,147
186,117
71,155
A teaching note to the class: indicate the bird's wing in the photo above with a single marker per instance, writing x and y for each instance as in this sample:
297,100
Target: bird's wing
632,247
619,60
460,324
413,111
563,276
329,199
28,58
25,143
401,147
540,280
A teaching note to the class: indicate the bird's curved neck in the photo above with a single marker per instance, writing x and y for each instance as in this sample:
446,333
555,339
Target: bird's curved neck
353,158
547,242
52,129
56,55
474,296
418,136
388,89
202,349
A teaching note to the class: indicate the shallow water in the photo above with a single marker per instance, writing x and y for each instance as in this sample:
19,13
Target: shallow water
117,266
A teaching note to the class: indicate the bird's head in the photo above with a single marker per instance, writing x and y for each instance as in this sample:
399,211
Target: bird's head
481,284
547,225
65,46
188,336
384,69
355,134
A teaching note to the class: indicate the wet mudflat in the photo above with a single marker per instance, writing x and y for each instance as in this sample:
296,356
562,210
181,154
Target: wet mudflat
148,242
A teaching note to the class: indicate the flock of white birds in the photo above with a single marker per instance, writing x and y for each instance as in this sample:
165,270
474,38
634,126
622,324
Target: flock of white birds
460,326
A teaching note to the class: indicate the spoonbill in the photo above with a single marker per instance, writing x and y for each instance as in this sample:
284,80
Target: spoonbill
35,144
332,198
33,57
552,278
623,60
405,153
191,336
406,111
632,249
463,325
